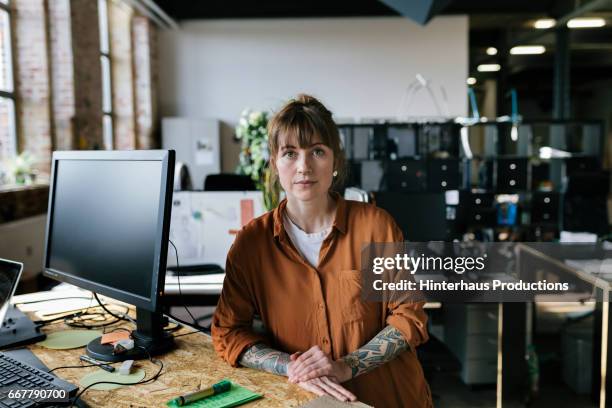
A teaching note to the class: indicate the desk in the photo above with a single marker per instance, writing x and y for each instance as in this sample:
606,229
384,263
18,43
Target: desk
595,273
191,365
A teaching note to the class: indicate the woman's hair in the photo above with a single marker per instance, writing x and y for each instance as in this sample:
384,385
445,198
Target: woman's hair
303,119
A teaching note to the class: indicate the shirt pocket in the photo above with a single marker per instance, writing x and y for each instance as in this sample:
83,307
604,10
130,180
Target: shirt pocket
352,308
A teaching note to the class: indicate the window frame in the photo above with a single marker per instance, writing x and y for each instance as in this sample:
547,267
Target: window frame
11,95
107,115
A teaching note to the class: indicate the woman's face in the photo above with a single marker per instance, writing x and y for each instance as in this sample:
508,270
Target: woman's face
305,173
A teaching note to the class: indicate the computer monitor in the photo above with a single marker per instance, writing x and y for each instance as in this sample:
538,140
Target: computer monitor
420,216
107,231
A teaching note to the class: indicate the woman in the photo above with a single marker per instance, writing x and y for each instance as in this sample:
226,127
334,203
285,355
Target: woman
298,268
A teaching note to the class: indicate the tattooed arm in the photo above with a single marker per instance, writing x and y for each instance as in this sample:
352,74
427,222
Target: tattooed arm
384,347
264,358
267,359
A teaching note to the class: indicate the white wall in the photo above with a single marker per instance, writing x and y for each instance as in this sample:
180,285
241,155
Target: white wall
358,67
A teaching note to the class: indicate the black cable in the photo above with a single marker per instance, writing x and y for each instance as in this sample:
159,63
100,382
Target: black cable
178,278
124,317
48,321
78,366
91,316
187,334
155,377
198,327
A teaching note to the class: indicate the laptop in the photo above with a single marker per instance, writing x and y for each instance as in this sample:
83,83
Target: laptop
10,272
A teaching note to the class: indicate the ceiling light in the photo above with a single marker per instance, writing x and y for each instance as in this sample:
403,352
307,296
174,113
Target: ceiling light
488,67
586,22
527,49
471,81
491,51
544,23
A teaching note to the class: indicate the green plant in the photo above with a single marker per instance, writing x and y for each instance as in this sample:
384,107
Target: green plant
22,168
254,154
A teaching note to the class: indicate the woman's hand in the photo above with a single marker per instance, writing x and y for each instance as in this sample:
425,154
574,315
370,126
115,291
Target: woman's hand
315,363
327,386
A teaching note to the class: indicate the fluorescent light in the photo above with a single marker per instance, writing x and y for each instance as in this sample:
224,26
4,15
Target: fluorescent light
544,23
471,81
488,67
527,49
491,51
586,22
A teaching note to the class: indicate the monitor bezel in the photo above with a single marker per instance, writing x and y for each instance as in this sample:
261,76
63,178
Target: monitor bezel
167,158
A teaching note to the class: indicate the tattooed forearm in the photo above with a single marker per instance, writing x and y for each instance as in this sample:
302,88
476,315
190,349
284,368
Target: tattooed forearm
385,346
264,358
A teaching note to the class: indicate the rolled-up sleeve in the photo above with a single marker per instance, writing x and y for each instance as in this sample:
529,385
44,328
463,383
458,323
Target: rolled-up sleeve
410,319
232,321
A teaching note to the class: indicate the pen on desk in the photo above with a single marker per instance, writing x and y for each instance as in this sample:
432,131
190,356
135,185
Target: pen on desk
218,388
103,366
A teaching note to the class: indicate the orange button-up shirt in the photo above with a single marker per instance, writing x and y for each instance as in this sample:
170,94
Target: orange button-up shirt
302,306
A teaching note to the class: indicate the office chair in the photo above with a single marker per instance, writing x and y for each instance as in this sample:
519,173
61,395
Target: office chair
228,182
182,179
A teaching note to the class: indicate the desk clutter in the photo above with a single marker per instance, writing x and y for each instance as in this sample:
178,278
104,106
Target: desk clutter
69,339
150,382
233,396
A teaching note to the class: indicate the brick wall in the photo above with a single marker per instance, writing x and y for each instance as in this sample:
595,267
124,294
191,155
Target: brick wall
87,123
120,16
62,73
143,37
32,81
59,81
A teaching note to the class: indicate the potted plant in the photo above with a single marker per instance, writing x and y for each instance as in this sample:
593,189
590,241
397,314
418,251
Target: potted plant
254,160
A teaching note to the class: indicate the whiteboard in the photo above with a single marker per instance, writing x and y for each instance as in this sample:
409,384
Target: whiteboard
204,224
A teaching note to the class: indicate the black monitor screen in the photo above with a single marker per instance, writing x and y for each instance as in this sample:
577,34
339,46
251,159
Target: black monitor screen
104,223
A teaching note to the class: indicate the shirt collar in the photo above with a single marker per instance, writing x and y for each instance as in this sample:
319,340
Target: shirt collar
340,220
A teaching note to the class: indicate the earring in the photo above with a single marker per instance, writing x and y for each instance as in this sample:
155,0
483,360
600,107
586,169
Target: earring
335,173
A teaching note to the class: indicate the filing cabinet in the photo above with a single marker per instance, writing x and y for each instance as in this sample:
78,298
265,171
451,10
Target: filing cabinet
407,176
545,208
471,335
443,174
511,174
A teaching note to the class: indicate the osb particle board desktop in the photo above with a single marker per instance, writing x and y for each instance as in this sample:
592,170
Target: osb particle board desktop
193,364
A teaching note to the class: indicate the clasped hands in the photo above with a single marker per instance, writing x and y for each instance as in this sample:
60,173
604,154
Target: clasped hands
316,372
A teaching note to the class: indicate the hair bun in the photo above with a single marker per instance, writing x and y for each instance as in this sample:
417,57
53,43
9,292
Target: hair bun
309,101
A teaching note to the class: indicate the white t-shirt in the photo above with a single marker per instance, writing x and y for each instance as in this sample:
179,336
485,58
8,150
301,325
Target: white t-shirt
308,245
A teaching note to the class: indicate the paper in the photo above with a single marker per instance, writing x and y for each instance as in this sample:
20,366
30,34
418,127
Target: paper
329,402
237,395
69,339
101,375
112,337
204,154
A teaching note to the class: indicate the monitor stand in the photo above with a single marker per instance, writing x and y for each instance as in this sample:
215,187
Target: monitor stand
150,339
18,330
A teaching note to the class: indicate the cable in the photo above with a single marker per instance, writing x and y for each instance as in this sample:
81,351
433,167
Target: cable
92,317
78,366
124,317
187,334
178,278
155,377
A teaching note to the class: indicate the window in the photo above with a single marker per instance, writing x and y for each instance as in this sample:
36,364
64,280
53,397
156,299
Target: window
107,96
8,134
